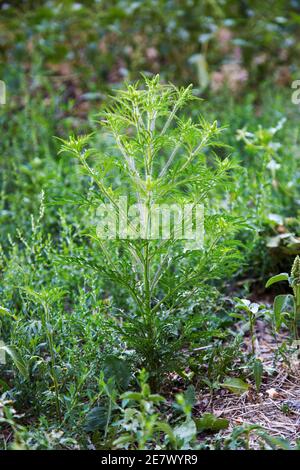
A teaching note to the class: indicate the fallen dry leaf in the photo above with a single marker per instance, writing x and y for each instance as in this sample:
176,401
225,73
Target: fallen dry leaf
272,392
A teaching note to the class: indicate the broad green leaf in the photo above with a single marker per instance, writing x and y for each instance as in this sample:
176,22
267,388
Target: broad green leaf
124,439
96,419
239,316
155,398
189,395
276,442
118,370
277,278
283,305
136,396
242,302
17,359
209,422
235,385
166,428
186,431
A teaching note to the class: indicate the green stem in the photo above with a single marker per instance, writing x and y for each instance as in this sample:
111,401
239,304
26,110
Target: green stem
108,417
147,279
50,341
252,334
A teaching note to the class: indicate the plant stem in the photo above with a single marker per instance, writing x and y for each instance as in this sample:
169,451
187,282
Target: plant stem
50,341
252,333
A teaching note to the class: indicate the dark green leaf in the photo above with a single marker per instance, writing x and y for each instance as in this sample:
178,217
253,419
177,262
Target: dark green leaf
119,370
277,278
96,419
209,422
283,304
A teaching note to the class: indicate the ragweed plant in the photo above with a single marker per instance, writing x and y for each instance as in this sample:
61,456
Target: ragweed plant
157,156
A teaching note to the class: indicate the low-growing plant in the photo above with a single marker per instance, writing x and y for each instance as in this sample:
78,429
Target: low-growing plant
254,311
212,364
46,298
14,435
287,307
249,436
140,424
157,156
143,422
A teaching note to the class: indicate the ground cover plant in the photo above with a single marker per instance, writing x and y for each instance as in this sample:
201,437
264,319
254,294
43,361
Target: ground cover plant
150,234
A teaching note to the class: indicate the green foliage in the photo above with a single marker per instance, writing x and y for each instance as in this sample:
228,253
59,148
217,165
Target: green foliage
155,158
242,437
42,438
141,423
277,278
80,315
118,370
17,359
142,426
209,422
287,307
258,373
253,311
236,385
